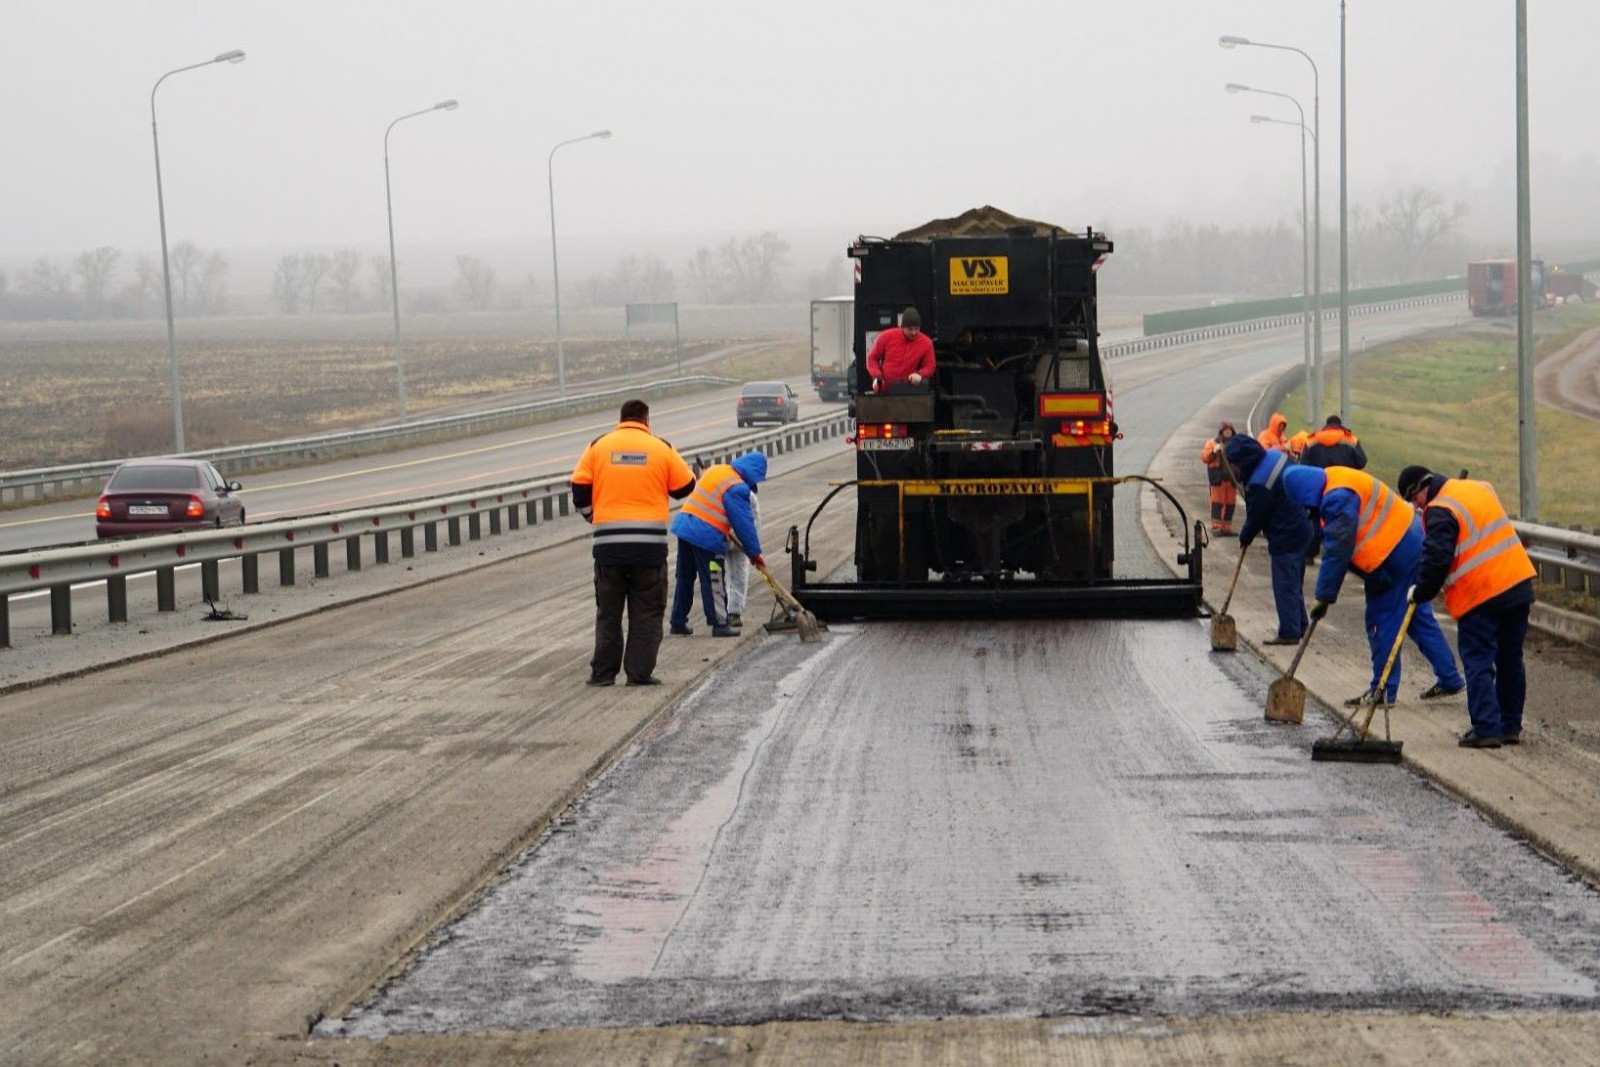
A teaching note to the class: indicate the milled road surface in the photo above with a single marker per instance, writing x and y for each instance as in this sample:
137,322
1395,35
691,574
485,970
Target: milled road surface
1060,819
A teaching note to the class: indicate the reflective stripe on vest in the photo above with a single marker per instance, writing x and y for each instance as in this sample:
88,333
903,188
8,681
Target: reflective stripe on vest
1383,521
705,503
626,532
1489,557
1277,469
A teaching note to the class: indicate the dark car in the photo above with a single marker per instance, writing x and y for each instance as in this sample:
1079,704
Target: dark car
146,496
767,402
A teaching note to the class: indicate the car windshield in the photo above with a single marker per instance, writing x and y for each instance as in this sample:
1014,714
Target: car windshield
764,389
148,478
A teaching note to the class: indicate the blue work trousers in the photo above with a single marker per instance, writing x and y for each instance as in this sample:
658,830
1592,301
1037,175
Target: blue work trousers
1491,651
1288,592
711,569
1385,610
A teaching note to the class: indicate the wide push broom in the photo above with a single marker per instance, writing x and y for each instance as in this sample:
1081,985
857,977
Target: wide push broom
1360,748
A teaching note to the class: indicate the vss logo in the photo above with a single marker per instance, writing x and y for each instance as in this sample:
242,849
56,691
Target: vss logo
979,268
979,276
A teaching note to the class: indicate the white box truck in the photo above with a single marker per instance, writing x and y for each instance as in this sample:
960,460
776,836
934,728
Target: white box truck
832,327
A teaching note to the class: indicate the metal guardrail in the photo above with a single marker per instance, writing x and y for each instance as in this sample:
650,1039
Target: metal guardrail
506,507
1569,558
1207,333
43,482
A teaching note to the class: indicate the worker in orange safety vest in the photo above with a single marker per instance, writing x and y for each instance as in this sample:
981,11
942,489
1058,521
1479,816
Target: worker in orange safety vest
1472,552
1274,435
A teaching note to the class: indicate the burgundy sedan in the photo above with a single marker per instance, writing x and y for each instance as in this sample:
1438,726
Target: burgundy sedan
147,496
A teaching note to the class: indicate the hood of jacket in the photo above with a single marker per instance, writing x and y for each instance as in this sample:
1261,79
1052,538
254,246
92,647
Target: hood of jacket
1333,435
1278,423
752,467
1244,453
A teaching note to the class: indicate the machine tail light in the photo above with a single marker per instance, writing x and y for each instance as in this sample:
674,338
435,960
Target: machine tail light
882,431
1073,405
1086,427
196,509
780,401
102,509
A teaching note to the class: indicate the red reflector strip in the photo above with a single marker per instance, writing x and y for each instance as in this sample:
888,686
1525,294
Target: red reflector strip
881,430
1076,405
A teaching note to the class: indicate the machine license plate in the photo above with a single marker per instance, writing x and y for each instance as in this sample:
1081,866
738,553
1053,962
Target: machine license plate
892,444
143,510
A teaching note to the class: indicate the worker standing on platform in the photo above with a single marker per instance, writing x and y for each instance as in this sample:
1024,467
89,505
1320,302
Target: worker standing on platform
1224,494
902,356
621,485
1367,528
1287,526
1473,553
719,506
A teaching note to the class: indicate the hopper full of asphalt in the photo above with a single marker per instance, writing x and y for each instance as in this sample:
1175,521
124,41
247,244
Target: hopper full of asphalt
1021,818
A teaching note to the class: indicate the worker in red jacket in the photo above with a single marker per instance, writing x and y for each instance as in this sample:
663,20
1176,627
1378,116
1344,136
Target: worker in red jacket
903,355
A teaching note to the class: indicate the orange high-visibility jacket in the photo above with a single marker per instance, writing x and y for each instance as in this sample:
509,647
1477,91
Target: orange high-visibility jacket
1273,435
1489,556
706,501
1383,521
632,472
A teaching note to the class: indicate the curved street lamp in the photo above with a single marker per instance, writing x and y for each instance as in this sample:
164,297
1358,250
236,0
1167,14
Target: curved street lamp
1231,41
394,269
235,56
1312,360
555,264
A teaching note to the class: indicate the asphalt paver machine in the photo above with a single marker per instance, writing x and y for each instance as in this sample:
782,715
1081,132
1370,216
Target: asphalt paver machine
987,490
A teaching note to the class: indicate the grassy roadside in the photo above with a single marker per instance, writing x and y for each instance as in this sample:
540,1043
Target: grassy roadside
1450,402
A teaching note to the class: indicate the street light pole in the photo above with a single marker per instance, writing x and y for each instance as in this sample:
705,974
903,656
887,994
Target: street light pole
1344,231
234,56
1527,442
394,268
555,263
1305,244
1231,41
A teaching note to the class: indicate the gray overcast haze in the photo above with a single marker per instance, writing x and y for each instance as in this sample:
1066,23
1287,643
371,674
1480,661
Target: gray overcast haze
819,119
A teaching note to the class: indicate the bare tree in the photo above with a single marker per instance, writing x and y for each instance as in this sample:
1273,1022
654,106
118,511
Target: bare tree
830,279
214,284
752,266
44,280
474,282
314,267
381,278
705,280
143,294
288,283
185,261
346,265
95,269
1415,220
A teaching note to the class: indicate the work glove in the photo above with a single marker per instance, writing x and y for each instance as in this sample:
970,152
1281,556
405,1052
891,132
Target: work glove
877,384
758,563
1244,542
1411,595
1320,608
915,378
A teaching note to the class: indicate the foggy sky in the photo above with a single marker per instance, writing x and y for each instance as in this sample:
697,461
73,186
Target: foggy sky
819,117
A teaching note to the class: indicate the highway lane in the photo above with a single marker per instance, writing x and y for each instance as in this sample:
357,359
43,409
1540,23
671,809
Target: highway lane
1023,818
540,449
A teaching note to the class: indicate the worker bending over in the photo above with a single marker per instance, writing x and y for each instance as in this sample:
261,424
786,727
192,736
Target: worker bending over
1224,494
903,355
621,485
1287,526
720,506
1473,553
1367,528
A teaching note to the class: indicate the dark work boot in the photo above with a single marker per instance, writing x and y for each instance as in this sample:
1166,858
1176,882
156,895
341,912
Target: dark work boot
1470,739
1438,692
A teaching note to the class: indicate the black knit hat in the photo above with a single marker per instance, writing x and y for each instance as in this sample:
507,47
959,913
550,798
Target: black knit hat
1411,480
910,317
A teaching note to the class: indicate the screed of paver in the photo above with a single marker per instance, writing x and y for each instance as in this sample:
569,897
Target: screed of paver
1042,818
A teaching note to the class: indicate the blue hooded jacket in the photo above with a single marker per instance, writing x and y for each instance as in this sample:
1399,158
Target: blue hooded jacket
1267,507
752,468
1341,511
